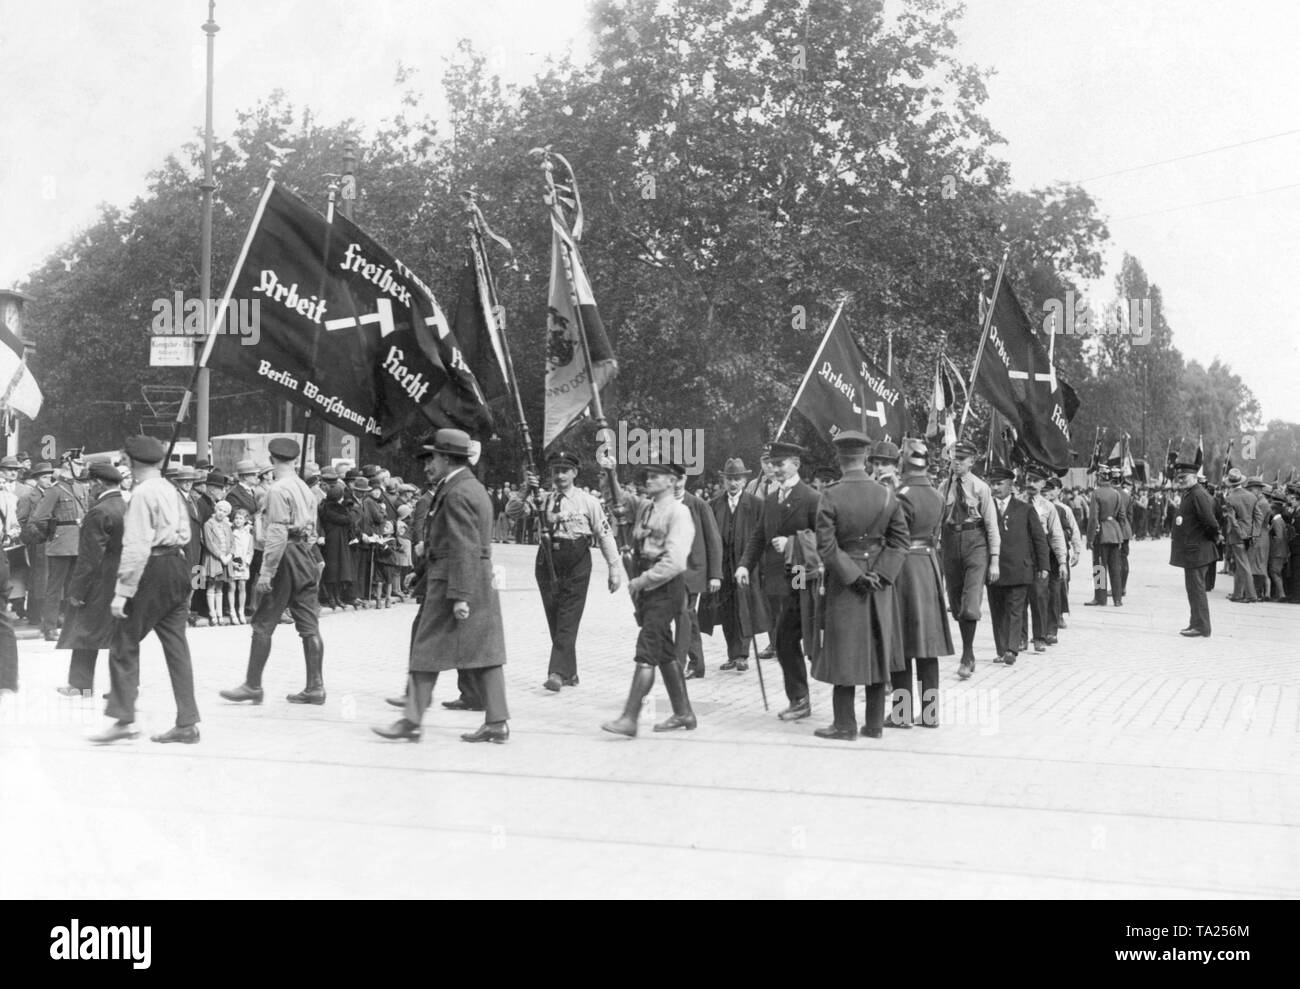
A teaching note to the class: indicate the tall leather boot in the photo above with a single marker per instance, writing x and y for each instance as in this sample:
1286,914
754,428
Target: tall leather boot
313,651
259,651
675,684
642,680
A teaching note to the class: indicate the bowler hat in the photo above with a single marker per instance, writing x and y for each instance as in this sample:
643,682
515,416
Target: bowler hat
105,472
735,467
144,449
884,450
217,479
779,450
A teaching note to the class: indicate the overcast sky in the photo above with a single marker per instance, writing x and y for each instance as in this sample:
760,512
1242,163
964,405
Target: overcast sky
94,93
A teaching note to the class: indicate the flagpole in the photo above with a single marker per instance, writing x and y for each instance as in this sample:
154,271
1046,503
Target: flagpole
984,336
220,318
208,186
804,383
315,339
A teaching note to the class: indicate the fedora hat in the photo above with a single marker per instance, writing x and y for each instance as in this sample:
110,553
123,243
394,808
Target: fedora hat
450,442
735,467
1235,478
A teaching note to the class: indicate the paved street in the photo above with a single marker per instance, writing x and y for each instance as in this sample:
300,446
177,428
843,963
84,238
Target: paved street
1125,762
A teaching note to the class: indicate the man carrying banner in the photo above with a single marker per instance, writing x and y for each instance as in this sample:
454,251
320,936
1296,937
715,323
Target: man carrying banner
789,513
972,545
291,568
574,521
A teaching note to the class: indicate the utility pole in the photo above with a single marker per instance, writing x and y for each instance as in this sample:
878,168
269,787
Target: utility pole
201,421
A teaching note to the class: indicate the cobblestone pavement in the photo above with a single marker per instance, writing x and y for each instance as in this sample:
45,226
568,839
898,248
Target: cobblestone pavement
1124,762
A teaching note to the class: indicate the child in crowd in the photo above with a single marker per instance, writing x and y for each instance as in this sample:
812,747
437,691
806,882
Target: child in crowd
217,536
241,554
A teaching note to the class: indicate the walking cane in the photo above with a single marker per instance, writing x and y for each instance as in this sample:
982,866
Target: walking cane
758,665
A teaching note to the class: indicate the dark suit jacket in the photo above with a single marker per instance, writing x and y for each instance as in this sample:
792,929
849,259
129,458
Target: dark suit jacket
704,563
799,513
1195,530
94,576
1024,545
1106,519
735,528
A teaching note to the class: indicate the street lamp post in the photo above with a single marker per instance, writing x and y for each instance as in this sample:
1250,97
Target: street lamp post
201,421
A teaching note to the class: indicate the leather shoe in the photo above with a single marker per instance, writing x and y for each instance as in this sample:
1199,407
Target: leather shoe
554,682
838,734
308,695
399,729
243,693
1094,604
889,723
728,665
767,653
488,733
72,691
868,733
999,658
1060,623
571,681
1009,658
1040,645
742,666
395,701
459,704
695,673
119,731
1050,640
1194,633
967,669
188,734
797,711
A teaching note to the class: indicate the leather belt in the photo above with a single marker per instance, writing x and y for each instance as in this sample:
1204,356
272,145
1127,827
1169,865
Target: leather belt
167,551
67,522
964,526
863,541
921,544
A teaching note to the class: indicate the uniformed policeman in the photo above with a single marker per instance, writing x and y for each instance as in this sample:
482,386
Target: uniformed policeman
661,542
1105,536
291,567
862,541
919,590
971,546
574,520
152,595
56,522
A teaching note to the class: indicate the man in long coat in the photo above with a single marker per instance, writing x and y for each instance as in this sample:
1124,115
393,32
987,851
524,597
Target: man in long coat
703,573
919,590
1192,546
55,522
89,627
460,622
1260,535
862,539
737,513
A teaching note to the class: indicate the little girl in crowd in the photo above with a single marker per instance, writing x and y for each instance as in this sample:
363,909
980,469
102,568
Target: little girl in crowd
216,559
241,552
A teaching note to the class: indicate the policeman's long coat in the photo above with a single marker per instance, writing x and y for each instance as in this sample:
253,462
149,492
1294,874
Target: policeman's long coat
458,549
862,642
919,588
99,550
1195,531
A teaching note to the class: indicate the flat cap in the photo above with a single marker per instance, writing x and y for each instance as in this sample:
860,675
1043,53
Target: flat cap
677,470
850,441
144,449
964,449
999,473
